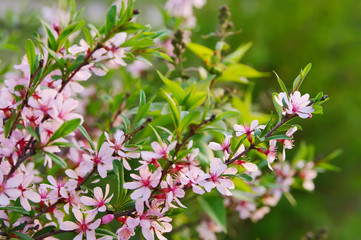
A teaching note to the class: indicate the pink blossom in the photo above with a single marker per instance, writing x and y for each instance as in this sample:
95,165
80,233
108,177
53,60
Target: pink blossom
9,188
207,230
127,230
260,213
172,190
215,178
102,160
43,102
162,149
118,144
250,167
307,174
27,193
57,185
83,226
248,130
145,182
225,147
100,200
271,152
107,219
245,209
70,198
295,104
288,143
192,178
115,52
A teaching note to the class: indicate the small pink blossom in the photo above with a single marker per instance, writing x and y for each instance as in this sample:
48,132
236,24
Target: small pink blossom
99,201
162,149
28,193
145,182
248,130
85,227
102,160
288,143
215,178
127,230
271,152
295,104
225,146
9,188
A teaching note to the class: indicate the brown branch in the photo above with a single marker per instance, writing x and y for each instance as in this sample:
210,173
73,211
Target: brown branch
51,233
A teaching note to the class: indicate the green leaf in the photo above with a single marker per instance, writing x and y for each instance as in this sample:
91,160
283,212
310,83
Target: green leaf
281,83
88,37
201,51
191,116
111,15
142,98
119,177
173,108
51,38
174,212
267,128
317,109
239,184
126,123
282,136
44,230
30,54
173,87
22,236
214,207
237,55
65,129
104,232
58,160
277,106
299,79
225,115
33,133
64,35
238,72
100,141
64,144
87,137
142,111
162,55
17,209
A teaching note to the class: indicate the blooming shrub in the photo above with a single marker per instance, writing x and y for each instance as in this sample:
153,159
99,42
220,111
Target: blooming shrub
163,142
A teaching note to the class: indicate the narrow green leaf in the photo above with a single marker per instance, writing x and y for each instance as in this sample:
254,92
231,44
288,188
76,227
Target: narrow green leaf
225,115
23,236
100,141
162,55
268,127
277,106
33,133
173,87
30,54
65,129
104,232
238,72
281,83
111,15
142,111
174,110
44,230
64,35
119,177
188,119
282,136
16,209
214,207
299,79
126,123
87,137
201,51
237,55
88,37
58,160
142,98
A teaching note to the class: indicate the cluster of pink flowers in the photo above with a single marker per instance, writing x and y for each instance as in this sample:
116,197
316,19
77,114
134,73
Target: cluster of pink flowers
33,108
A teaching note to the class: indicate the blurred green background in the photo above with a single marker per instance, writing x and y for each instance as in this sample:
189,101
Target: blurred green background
286,35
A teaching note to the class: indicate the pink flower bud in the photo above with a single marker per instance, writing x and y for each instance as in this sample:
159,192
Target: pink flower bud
107,218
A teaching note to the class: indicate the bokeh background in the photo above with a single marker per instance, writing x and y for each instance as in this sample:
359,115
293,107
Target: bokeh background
286,36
